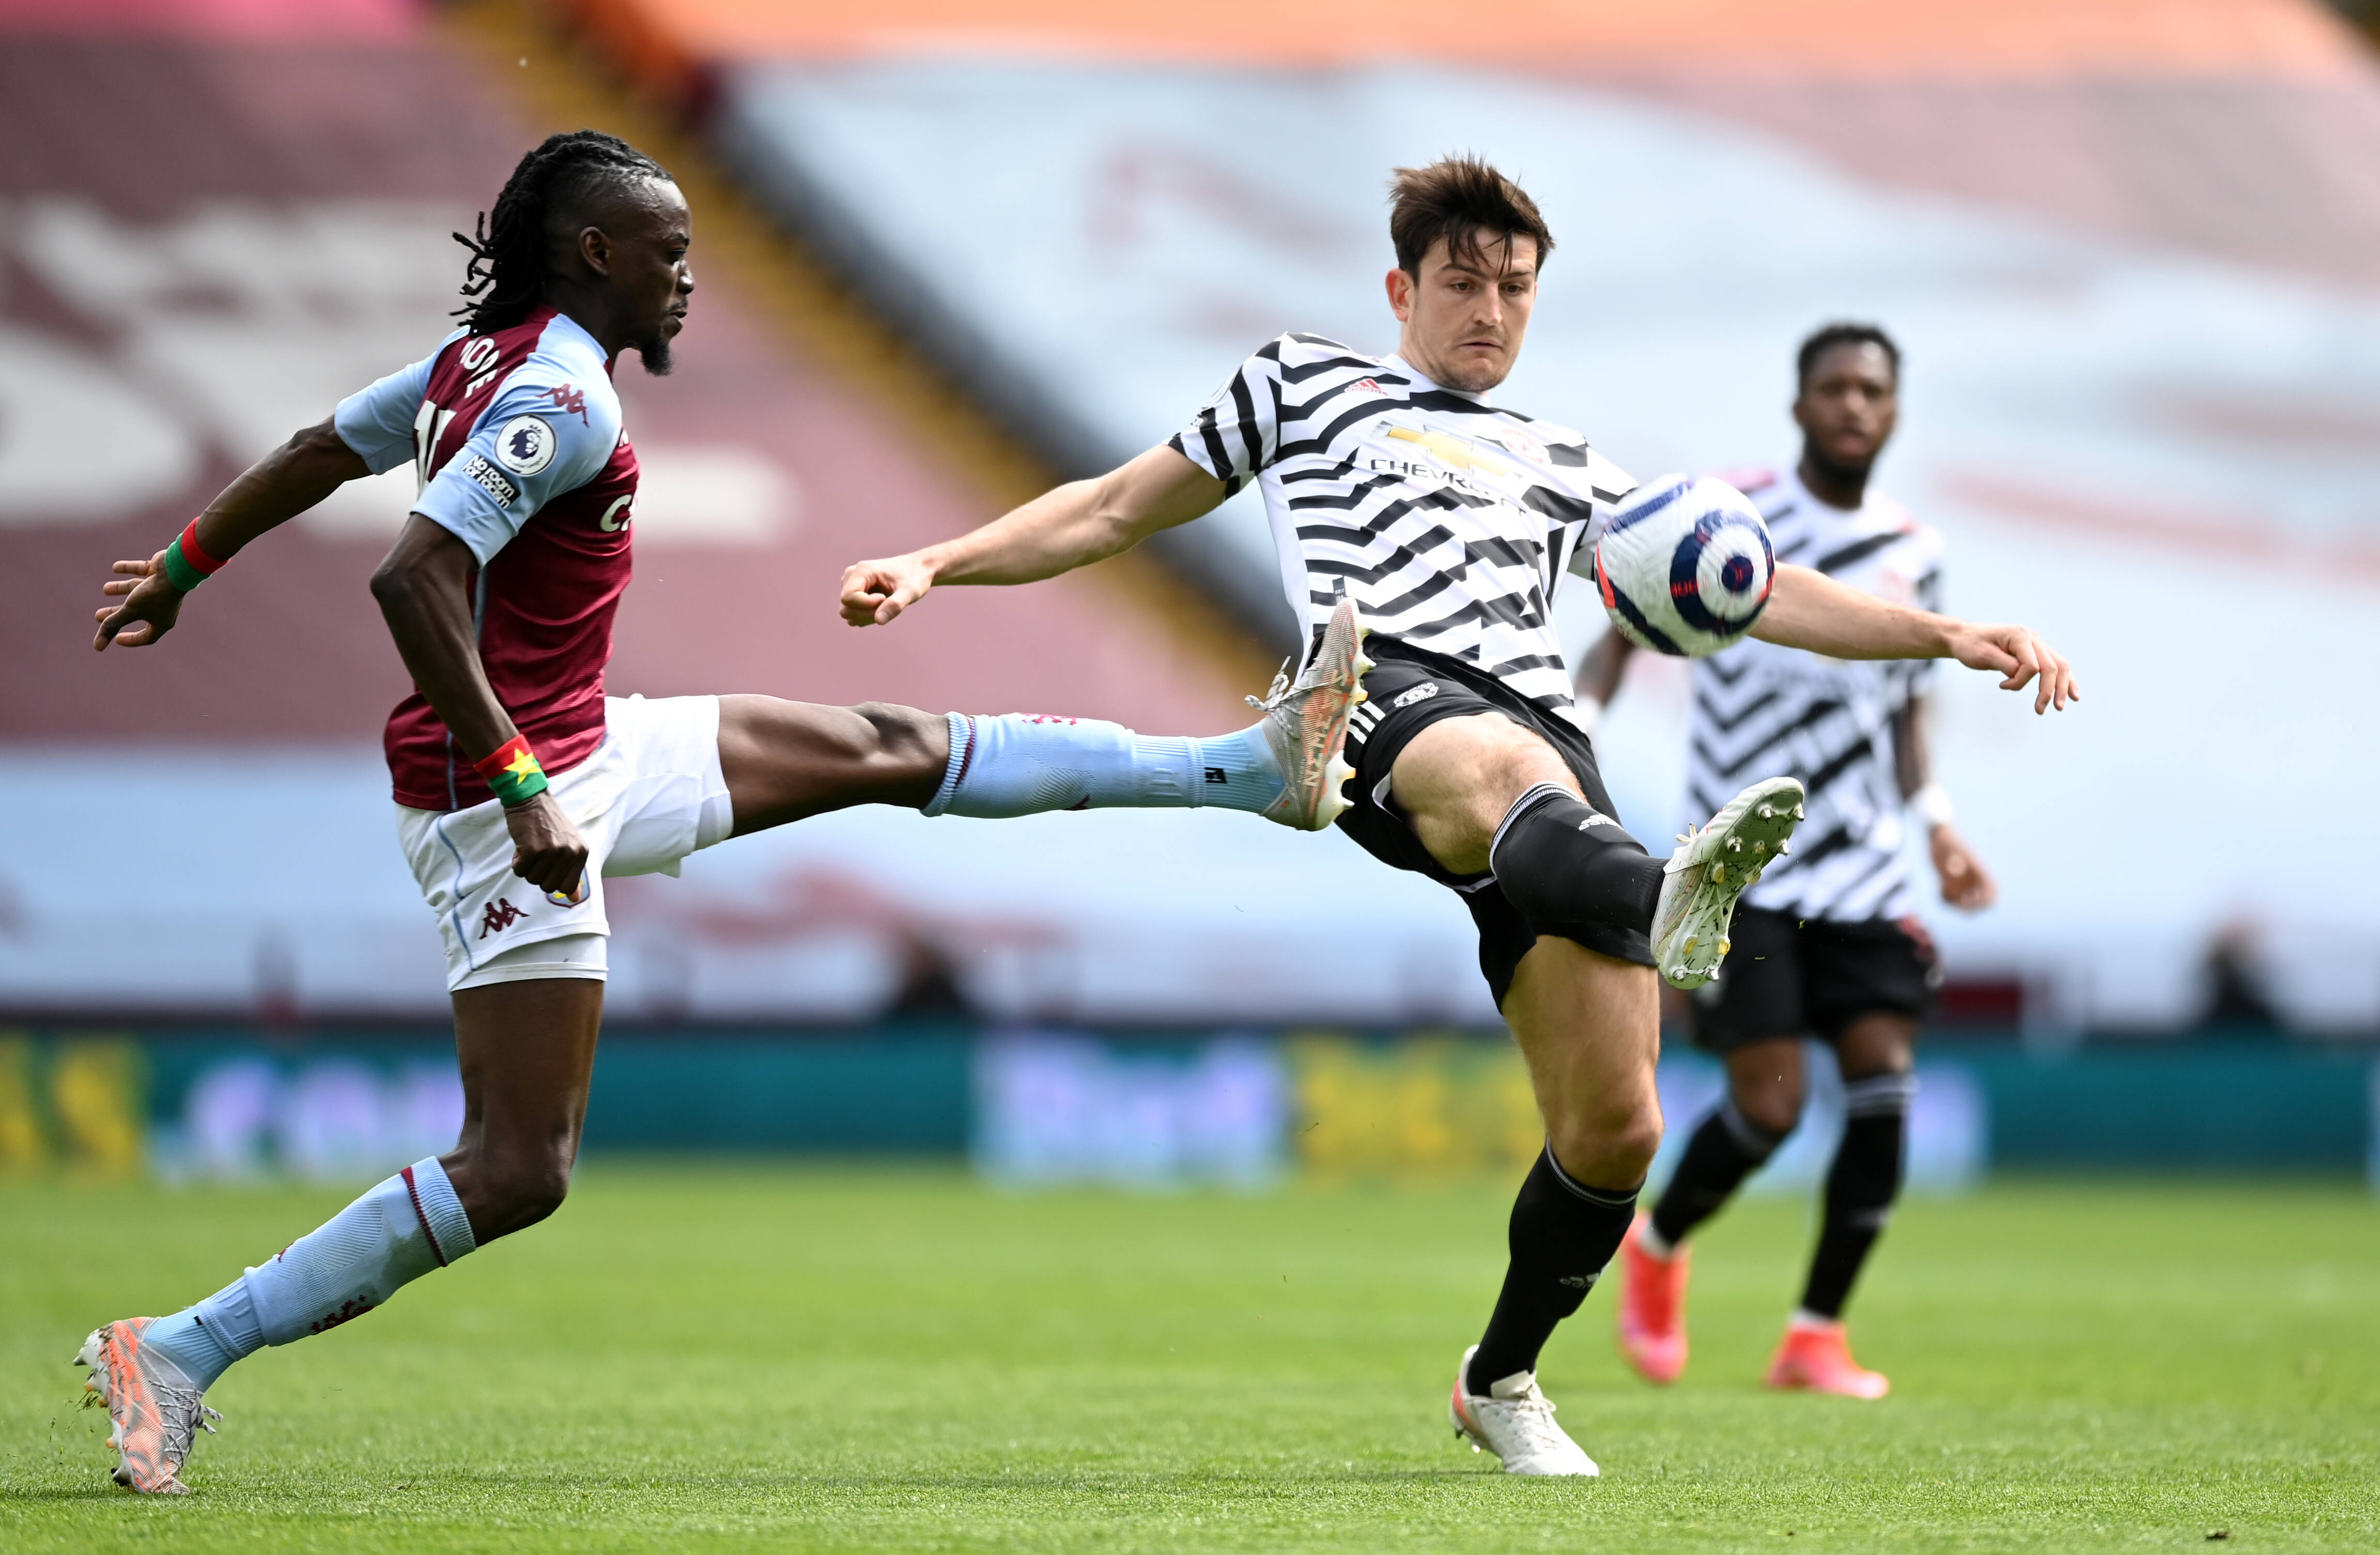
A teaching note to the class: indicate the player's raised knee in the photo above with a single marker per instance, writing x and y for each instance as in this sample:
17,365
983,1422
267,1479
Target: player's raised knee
1608,1147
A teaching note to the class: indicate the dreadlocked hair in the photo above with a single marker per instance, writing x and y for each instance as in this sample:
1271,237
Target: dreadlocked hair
506,276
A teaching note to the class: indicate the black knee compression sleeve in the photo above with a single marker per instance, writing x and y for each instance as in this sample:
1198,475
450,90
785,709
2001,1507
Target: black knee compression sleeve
1564,865
1562,1233
1861,1186
1726,1149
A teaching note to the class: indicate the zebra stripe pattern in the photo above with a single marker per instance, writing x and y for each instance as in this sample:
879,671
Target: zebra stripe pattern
1761,710
1449,520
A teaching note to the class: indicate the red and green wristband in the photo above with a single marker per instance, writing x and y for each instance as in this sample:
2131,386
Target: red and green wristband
512,773
187,565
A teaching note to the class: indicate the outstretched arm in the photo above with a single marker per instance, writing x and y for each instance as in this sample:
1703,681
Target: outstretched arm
1081,522
1808,609
277,488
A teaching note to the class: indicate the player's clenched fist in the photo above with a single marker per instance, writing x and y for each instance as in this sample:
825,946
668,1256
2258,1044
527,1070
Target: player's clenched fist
548,852
874,592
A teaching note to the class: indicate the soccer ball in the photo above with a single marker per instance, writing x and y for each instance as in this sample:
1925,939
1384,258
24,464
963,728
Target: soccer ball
1684,566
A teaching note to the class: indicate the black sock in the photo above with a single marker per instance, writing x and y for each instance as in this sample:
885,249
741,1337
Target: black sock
1861,1186
1726,1148
1562,1236
1564,863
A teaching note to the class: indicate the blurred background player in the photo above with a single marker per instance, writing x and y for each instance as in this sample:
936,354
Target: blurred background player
1828,943
520,784
1394,482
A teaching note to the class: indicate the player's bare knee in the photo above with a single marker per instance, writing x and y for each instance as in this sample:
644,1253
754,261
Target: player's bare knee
1608,1147
1878,1044
1772,1105
508,1190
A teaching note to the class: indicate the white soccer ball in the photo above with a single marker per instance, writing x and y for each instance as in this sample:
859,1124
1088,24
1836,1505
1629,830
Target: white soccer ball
1684,566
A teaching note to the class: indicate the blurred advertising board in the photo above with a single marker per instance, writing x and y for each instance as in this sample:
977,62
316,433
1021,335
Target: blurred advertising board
1044,1107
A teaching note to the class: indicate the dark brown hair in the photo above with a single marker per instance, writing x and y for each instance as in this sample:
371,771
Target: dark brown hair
1460,198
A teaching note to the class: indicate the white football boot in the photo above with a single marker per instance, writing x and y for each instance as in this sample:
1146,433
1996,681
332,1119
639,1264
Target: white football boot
1710,870
1515,1422
1305,724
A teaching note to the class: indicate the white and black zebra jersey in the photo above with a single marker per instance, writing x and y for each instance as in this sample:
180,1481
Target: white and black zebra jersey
1761,710
1450,521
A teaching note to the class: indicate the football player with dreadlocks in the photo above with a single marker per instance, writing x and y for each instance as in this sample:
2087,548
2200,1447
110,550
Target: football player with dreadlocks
520,784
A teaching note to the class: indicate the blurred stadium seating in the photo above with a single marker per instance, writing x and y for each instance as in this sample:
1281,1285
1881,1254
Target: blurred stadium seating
2133,248
217,227
2129,244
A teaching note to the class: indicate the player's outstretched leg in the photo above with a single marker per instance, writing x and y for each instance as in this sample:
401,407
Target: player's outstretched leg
1289,766
528,1050
1710,870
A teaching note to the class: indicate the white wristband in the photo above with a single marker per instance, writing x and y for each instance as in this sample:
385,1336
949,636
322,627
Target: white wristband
1932,805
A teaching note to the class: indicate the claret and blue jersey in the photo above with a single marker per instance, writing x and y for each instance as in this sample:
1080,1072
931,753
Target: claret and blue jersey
518,449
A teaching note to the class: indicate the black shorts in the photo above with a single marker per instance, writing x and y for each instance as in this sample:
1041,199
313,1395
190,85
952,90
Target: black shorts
1409,690
1787,976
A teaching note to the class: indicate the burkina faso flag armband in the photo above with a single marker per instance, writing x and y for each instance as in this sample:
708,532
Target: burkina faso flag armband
512,773
187,565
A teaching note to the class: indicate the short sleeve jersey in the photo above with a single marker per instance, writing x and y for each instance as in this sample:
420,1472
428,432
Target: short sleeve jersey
516,446
1450,521
1762,710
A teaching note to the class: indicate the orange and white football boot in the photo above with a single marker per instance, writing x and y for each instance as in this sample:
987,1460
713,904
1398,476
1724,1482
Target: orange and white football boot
1514,1420
1305,724
1652,1309
156,1412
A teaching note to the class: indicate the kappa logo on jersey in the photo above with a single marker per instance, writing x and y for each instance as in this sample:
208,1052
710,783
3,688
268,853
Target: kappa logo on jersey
502,914
527,444
569,401
491,481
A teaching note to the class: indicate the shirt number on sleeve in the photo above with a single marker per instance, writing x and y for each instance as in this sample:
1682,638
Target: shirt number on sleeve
429,428
615,517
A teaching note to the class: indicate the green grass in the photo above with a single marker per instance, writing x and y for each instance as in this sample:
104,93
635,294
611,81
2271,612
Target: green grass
815,1359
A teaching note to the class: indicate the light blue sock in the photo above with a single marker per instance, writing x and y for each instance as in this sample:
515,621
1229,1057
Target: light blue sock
1024,764
397,1233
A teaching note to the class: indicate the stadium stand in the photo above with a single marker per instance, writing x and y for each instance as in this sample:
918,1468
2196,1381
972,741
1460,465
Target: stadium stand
2130,244
215,220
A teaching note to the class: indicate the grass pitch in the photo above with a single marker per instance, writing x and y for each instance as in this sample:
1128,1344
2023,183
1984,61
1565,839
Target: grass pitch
814,1359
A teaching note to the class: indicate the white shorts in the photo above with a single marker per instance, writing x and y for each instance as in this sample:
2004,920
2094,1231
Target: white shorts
652,793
